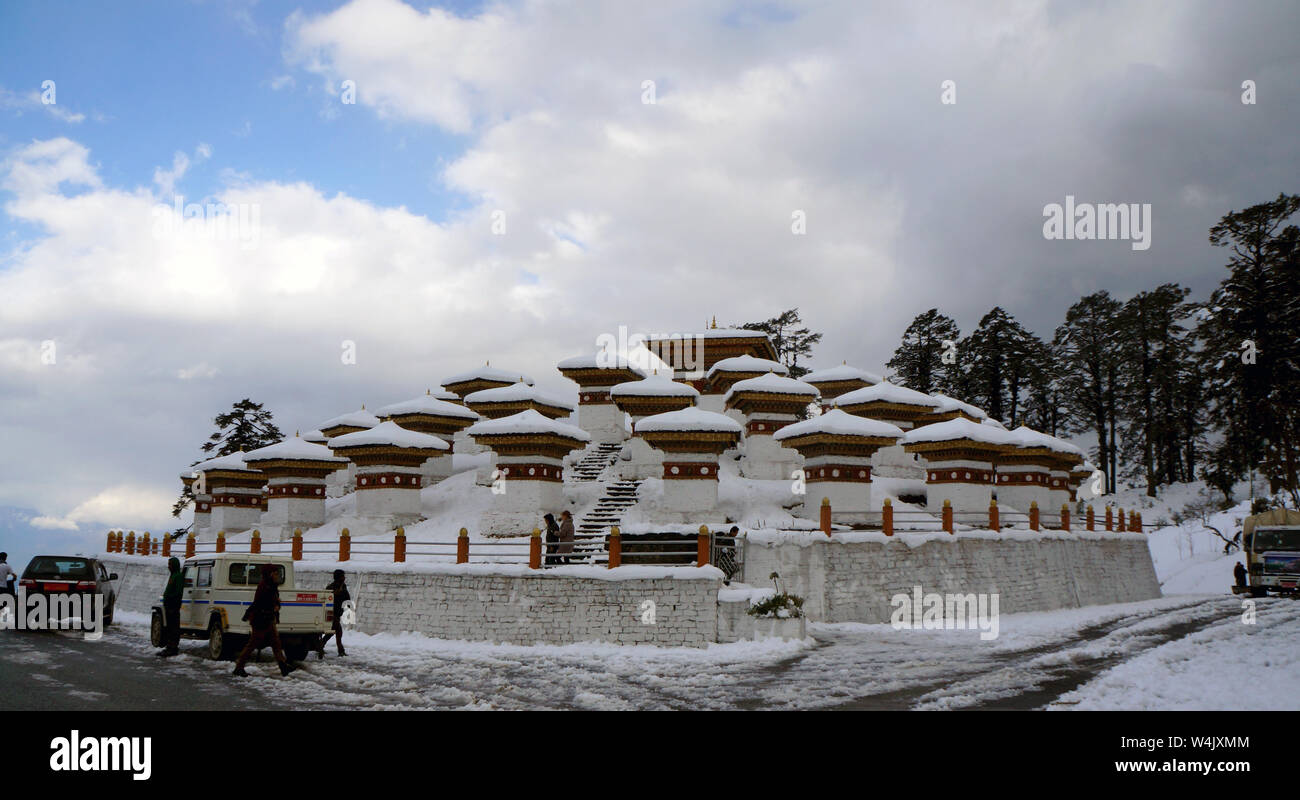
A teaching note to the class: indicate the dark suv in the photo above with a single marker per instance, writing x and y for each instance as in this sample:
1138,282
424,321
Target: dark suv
71,575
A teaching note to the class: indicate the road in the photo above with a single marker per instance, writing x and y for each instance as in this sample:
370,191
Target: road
1036,659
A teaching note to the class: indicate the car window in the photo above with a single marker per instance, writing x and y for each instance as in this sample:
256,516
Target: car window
59,567
103,573
242,574
205,575
189,576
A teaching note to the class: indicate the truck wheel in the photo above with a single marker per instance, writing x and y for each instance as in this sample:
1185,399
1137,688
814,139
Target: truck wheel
218,643
295,651
156,630
1258,591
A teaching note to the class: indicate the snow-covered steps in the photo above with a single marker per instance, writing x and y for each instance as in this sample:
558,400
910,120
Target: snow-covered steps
594,461
619,496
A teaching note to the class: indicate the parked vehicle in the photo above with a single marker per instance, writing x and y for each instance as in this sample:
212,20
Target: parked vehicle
1271,544
218,589
71,575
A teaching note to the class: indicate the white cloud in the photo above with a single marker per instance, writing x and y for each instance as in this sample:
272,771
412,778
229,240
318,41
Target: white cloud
200,370
53,523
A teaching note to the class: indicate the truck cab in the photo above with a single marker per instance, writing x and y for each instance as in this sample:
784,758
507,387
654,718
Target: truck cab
219,588
1271,544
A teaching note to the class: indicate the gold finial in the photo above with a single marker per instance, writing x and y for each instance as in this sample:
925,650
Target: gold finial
428,392
295,434
363,406
714,326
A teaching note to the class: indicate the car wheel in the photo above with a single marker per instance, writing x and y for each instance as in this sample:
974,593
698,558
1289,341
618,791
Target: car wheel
108,615
218,642
156,630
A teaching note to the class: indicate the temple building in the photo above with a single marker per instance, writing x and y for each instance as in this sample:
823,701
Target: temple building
652,395
767,404
727,372
484,377
389,463
959,457
295,471
436,417
234,492
837,450
691,440
598,415
692,355
835,381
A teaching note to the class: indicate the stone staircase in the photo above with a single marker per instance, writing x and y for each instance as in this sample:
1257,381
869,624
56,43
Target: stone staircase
594,462
619,496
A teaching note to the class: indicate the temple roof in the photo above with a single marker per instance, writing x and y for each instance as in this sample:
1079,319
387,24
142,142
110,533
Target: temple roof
518,393
352,419
488,373
233,461
593,361
527,423
654,385
772,384
294,449
957,429
389,434
428,404
947,403
689,419
748,364
886,392
1024,436
840,423
843,372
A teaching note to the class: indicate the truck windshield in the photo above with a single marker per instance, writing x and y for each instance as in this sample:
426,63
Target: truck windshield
1276,539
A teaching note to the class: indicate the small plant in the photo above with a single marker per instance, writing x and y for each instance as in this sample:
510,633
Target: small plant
781,605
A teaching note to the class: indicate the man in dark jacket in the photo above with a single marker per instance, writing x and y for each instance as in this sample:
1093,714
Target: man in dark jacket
1239,572
341,595
172,596
261,617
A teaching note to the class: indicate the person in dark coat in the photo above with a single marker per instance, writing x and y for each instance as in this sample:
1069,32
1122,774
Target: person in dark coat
341,595
1239,572
173,594
566,536
261,617
552,536
727,555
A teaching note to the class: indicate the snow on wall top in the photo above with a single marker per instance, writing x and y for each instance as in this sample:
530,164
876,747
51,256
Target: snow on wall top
773,384
296,449
841,373
960,428
353,419
594,361
488,373
654,385
747,363
389,433
517,393
689,419
886,392
428,404
947,403
526,422
840,423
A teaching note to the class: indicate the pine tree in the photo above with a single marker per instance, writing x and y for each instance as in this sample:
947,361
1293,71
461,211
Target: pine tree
1089,352
245,427
918,363
1000,357
791,339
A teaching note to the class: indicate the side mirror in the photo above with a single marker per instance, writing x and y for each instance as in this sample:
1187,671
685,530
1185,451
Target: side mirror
112,576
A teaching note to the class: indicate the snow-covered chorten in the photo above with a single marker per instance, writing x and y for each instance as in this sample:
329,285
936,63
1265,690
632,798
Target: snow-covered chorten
692,355
505,401
436,417
350,422
595,375
767,404
296,471
1060,458
888,402
530,450
235,494
480,378
835,381
959,455
653,394
691,440
1036,470
951,408
728,371
1078,474
837,448
388,461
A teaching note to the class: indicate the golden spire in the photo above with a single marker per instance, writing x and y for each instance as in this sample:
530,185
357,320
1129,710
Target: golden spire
428,391
714,326
295,434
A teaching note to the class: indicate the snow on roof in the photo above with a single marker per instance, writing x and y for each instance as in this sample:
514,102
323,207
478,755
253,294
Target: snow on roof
688,419
296,449
886,392
314,436
517,393
389,433
232,461
428,404
353,419
1024,436
947,403
841,373
992,423
488,373
526,422
598,361
748,363
712,333
772,384
654,385
840,423
960,428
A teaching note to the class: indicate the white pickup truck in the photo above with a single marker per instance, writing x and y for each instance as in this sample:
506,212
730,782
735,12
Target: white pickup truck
219,588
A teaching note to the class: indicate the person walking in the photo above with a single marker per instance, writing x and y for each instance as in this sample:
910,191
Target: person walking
1239,572
552,536
727,555
172,597
261,617
341,596
566,536
6,575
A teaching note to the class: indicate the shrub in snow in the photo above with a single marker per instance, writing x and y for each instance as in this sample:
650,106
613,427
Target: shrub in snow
781,605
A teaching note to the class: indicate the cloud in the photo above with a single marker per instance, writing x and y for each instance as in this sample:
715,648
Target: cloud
53,523
200,370
166,179
31,101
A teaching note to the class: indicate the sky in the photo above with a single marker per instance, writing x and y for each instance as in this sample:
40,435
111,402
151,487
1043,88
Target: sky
440,185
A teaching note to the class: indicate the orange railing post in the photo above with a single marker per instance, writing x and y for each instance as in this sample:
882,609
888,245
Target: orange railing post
1140,529
1133,522
1065,517
994,523
255,543
462,547
399,545
108,546
1033,515
345,545
702,547
615,544
1120,527
295,548
1110,523
130,543
189,545
167,546
947,516
535,550
1092,519
887,518
143,546
221,541
826,516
